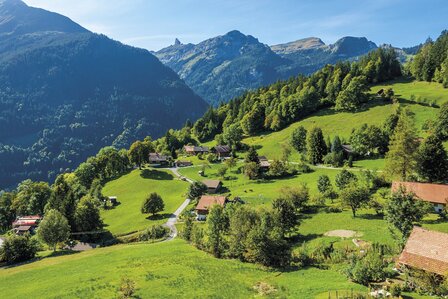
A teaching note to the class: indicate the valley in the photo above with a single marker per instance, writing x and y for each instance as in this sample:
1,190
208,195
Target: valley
228,168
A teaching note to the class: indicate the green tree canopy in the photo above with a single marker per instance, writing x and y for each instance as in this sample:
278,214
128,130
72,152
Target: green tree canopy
432,160
54,229
298,139
315,146
153,204
401,160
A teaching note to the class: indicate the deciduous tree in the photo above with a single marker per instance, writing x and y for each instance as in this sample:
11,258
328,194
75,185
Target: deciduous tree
153,204
53,229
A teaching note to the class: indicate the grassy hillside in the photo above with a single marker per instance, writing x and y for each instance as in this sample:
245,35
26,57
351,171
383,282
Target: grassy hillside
374,113
163,270
131,189
257,192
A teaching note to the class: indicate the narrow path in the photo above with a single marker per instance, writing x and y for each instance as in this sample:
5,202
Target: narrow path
171,223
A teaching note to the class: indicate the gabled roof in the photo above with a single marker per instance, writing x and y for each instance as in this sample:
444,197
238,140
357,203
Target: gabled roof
207,201
23,228
213,184
265,163
156,157
222,148
435,193
192,148
426,250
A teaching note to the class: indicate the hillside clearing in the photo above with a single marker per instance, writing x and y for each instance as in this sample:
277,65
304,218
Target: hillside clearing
374,113
131,189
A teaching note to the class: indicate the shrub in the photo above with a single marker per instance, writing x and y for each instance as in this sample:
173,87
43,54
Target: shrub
368,268
395,290
127,287
18,249
154,232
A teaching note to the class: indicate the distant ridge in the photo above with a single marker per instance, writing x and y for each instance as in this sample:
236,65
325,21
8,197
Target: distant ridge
225,66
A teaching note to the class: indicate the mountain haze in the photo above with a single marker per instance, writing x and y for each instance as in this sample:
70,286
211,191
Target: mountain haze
66,92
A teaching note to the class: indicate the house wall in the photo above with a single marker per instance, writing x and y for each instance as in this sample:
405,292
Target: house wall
438,207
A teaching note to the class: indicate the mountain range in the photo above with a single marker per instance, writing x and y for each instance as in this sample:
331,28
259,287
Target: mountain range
65,92
224,67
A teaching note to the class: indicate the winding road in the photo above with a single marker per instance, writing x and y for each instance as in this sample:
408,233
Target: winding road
171,223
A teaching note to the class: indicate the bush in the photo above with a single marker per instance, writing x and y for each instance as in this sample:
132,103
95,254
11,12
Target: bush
18,249
127,287
368,268
395,290
154,232
212,158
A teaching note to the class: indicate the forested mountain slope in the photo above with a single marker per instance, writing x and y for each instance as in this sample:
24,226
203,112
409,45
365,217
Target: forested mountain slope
66,92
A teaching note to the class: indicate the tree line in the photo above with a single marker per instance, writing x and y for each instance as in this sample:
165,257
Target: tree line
343,86
431,61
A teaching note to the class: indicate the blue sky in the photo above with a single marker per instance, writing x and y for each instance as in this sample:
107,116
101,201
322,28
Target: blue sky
154,24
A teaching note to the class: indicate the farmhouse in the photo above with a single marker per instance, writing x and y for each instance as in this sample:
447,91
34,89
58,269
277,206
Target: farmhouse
213,186
195,150
26,224
222,151
156,158
264,163
206,202
437,194
426,250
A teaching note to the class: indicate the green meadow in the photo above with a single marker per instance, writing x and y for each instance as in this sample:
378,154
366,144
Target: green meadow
162,270
131,189
177,270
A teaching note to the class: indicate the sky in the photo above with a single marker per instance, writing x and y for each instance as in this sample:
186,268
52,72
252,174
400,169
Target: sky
154,24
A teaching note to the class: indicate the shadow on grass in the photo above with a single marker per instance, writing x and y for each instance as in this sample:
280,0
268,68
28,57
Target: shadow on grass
370,216
154,174
159,216
51,255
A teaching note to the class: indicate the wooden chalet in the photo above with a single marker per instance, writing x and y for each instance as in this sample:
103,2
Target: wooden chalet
264,163
195,150
222,151
426,250
206,202
159,159
213,186
437,194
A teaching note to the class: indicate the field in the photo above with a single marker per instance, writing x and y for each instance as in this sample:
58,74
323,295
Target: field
258,192
131,189
164,270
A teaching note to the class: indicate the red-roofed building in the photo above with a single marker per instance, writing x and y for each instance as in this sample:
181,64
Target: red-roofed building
206,202
426,250
24,224
437,194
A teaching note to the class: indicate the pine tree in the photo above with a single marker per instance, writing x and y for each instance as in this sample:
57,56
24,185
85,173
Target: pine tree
433,160
401,160
315,145
252,156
